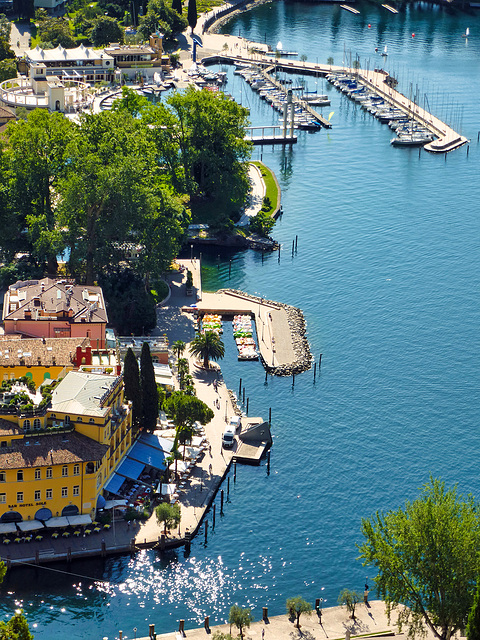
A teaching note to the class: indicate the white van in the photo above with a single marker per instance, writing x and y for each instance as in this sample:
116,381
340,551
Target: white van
235,423
228,437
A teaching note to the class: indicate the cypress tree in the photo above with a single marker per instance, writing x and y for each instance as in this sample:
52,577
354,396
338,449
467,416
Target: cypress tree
177,5
192,13
131,381
473,625
149,390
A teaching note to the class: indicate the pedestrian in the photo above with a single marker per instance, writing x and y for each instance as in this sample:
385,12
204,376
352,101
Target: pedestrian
210,468
263,634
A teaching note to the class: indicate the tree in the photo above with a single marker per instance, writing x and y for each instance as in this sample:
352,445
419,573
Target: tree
8,69
131,380
169,514
241,618
192,14
161,17
6,51
185,410
296,606
105,30
17,627
330,60
349,599
131,101
55,31
182,370
177,6
262,223
178,347
5,27
473,624
427,557
149,389
208,346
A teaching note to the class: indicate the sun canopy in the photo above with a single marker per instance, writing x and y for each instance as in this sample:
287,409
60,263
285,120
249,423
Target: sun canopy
115,483
62,521
79,520
7,527
154,440
114,504
130,468
30,525
147,455
168,489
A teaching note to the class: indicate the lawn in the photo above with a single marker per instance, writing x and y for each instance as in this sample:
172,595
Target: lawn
271,186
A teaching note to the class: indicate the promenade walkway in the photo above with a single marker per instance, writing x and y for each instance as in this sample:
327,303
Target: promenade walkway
333,623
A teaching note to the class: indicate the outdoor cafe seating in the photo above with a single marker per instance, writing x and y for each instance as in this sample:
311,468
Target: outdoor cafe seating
6,541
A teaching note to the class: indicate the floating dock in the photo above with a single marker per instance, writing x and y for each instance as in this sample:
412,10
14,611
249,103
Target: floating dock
389,8
351,9
257,135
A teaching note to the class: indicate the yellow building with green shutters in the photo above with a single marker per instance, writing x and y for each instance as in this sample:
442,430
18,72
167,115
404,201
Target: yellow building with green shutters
56,461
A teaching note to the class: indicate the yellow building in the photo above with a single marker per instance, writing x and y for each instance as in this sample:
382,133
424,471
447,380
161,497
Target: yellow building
56,462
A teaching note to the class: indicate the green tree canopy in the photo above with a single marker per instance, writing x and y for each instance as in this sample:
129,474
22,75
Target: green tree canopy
169,514
207,346
473,623
427,558
240,617
106,29
185,410
350,599
296,606
55,31
8,69
177,6
149,389
192,14
6,51
160,16
178,347
5,27
131,380
17,627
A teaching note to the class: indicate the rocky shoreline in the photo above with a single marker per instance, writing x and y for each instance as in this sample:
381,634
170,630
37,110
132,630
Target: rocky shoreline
298,330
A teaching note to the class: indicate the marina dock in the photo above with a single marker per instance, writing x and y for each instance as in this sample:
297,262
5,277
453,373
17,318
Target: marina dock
275,135
447,138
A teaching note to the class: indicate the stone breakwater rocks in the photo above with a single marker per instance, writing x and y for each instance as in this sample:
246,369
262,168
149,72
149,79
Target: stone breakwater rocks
298,333
234,400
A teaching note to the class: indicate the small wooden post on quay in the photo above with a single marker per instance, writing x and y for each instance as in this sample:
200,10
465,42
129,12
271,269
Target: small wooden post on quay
235,471
206,531
320,361
69,554
229,268
243,395
296,244
270,417
265,614
240,388
293,379
248,399
314,371
151,632
268,462
293,248
104,549
206,624
120,635
213,517
181,626
162,541
188,541
228,486
279,247
37,557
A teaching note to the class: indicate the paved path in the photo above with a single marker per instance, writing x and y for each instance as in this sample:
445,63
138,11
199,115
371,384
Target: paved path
255,197
331,625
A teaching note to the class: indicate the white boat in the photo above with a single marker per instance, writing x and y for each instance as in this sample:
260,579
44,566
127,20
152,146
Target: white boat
411,140
467,32
385,51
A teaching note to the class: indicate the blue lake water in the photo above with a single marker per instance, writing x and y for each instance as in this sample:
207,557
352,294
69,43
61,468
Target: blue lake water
387,275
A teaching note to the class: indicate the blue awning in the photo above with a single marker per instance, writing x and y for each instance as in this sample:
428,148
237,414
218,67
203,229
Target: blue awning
115,483
130,468
147,455
100,502
164,444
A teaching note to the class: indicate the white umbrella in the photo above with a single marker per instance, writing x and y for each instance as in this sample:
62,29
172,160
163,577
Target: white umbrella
7,527
30,525
52,523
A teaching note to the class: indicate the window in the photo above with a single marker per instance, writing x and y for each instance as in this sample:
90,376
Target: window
49,473
79,419
3,498
3,476
67,420
76,490
3,443
64,492
48,494
20,475
92,421
37,424
37,474
38,495
64,470
26,425
19,496
89,467
76,469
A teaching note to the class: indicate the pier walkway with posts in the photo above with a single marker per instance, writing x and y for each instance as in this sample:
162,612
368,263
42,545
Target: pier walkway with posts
269,134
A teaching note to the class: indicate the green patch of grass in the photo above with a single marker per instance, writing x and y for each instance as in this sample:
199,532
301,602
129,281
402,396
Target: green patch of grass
272,191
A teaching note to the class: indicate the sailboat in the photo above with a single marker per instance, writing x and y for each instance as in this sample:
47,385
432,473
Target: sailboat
385,51
467,33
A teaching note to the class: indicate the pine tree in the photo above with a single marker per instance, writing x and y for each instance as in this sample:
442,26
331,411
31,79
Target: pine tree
473,625
131,380
192,13
149,390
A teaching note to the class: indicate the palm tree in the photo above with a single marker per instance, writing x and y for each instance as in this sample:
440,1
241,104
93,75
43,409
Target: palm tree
208,346
178,348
